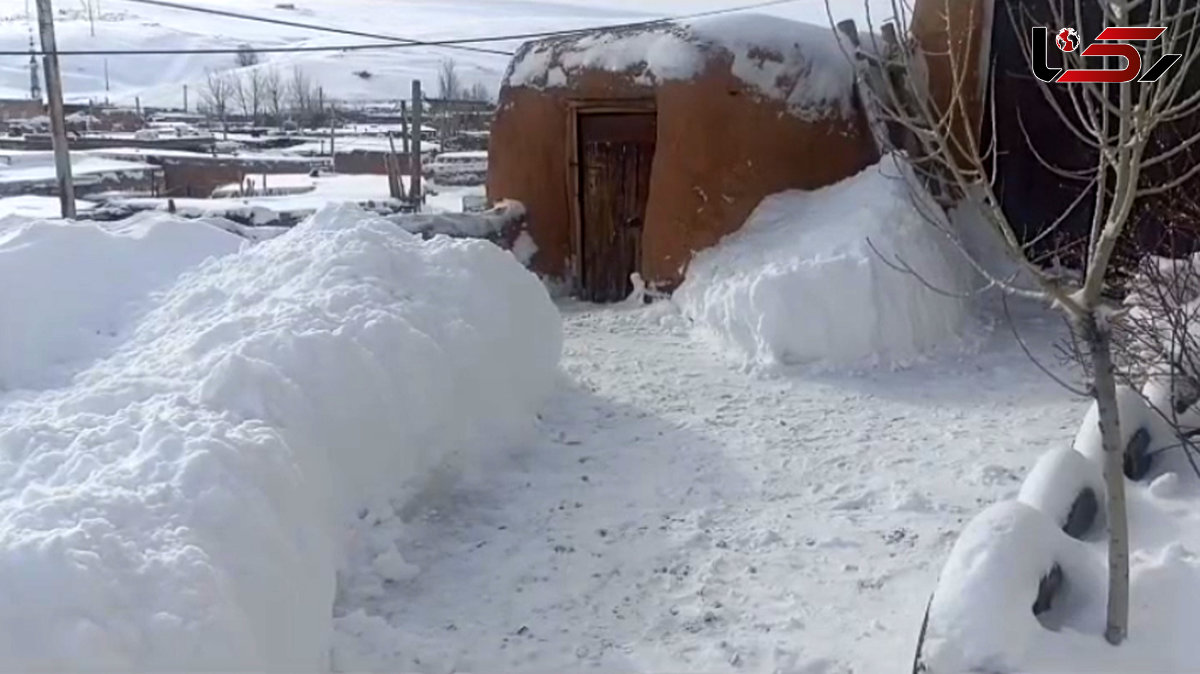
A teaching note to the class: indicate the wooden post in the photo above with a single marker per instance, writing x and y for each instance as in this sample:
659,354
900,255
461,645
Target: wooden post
890,39
395,184
404,127
185,101
416,188
58,126
332,134
850,30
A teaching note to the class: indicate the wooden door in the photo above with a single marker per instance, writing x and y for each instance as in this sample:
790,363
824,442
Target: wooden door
615,152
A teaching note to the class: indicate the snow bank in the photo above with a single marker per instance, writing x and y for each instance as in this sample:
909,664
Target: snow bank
800,283
67,290
797,63
178,505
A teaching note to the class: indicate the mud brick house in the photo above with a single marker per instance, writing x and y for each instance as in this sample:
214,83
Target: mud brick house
632,149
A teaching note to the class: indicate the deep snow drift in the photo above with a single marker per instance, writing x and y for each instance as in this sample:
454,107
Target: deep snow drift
805,280
180,503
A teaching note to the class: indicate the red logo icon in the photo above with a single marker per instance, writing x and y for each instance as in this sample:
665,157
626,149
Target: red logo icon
1067,39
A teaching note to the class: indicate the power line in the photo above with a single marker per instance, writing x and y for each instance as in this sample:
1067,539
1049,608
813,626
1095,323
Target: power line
297,24
394,42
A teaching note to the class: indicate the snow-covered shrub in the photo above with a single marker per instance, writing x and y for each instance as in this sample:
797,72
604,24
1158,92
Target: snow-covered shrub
804,281
179,505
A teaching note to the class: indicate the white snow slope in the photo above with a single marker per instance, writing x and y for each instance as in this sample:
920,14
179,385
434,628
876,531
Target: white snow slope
181,503
159,79
813,278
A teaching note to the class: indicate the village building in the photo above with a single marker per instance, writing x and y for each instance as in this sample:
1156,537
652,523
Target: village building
632,149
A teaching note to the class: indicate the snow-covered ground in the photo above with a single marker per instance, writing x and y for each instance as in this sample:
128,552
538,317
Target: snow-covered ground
327,189
159,79
677,515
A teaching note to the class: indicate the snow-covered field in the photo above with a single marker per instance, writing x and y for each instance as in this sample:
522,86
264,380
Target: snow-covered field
159,79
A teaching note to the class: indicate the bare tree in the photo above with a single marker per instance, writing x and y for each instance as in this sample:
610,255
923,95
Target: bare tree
240,93
217,94
1116,121
274,94
478,92
449,84
303,96
255,91
246,56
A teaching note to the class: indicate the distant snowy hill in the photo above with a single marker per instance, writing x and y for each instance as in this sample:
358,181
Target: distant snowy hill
158,79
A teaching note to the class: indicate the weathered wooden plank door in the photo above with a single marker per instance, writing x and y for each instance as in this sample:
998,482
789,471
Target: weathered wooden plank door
616,151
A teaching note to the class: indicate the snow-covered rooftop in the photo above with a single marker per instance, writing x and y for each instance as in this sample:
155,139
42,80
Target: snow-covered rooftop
798,63
39,166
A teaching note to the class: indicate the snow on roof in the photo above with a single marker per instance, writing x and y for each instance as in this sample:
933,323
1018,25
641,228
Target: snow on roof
471,154
799,63
39,171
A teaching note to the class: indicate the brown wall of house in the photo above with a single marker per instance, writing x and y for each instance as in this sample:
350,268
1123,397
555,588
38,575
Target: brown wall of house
955,36
186,177
364,161
720,149
15,108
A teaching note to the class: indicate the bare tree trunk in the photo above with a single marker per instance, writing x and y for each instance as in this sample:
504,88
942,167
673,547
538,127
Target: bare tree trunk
1099,343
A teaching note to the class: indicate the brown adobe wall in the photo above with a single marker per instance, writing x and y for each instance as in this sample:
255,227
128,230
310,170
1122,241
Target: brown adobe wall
198,177
720,149
367,161
955,63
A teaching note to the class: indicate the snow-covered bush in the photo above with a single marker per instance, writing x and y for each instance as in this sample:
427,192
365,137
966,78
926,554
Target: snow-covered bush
805,280
179,505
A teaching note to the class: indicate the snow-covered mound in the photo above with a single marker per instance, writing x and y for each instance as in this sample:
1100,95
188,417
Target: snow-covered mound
67,290
797,63
806,281
178,505
982,614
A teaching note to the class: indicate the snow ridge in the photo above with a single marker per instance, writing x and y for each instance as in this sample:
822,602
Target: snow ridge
179,505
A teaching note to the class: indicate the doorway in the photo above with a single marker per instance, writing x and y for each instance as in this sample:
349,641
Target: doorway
616,150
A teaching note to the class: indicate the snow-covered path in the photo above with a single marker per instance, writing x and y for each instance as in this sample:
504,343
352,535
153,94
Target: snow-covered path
675,514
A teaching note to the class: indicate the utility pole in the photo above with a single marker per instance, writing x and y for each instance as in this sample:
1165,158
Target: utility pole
58,127
35,80
185,109
415,189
